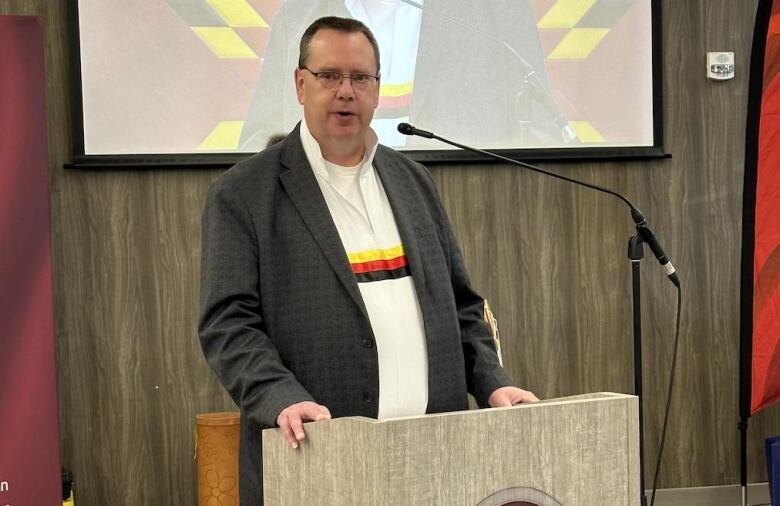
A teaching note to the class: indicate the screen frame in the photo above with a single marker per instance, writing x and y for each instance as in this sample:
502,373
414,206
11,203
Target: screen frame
81,160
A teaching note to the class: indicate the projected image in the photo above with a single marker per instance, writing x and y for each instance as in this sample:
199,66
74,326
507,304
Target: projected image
216,76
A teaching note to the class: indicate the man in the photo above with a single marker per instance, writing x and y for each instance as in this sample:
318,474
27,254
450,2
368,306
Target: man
331,283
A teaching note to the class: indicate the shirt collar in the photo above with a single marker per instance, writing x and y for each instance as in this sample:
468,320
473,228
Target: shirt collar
314,154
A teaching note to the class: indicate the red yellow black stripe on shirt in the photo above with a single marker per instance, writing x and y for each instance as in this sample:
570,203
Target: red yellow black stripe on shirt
379,264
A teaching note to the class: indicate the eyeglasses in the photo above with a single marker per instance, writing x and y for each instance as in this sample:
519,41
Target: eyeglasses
331,80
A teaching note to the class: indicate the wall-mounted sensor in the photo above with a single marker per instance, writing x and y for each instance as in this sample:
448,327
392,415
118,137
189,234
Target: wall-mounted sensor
720,66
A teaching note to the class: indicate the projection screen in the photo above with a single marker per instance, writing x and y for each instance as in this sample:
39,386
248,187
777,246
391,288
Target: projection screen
209,81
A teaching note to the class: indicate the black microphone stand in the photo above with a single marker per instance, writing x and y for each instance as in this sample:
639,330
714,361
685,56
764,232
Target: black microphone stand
635,254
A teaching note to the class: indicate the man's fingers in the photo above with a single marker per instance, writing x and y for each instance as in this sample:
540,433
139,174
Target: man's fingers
510,401
314,413
290,420
324,414
526,396
296,426
287,433
509,396
309,412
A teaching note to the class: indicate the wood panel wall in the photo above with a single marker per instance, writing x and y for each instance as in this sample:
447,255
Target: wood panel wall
549,257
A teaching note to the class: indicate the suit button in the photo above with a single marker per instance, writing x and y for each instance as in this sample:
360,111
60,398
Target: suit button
367,397
368,343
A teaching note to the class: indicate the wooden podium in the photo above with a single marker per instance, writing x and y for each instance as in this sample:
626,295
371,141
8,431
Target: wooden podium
581,450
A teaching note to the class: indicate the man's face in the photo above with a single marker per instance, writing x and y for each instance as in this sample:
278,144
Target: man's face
338,117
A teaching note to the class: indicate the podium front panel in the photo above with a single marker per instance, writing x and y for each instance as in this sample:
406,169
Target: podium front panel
581,450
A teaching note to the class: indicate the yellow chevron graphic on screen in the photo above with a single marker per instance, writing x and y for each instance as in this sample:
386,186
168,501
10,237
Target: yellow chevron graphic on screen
565,13
586,132
224,42
238,13
224,136
578,43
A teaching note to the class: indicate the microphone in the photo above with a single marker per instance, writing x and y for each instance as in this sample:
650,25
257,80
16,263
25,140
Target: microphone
407,129
640,222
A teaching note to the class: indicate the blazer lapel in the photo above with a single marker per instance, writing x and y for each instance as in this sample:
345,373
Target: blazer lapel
407,210
304,192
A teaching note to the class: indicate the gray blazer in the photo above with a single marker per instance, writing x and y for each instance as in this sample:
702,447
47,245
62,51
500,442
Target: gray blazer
282,319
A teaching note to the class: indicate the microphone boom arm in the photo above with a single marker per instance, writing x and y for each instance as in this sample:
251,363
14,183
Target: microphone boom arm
640,222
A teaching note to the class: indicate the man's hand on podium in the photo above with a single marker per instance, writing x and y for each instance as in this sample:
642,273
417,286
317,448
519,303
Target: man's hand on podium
290,420
509,396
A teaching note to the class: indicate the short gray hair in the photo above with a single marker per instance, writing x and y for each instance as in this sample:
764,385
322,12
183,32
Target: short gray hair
343,25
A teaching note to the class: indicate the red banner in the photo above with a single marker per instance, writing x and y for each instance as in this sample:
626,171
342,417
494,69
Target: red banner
29,436
766,276
761,222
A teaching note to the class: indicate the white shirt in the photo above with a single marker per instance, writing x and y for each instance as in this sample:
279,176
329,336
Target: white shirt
364,219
